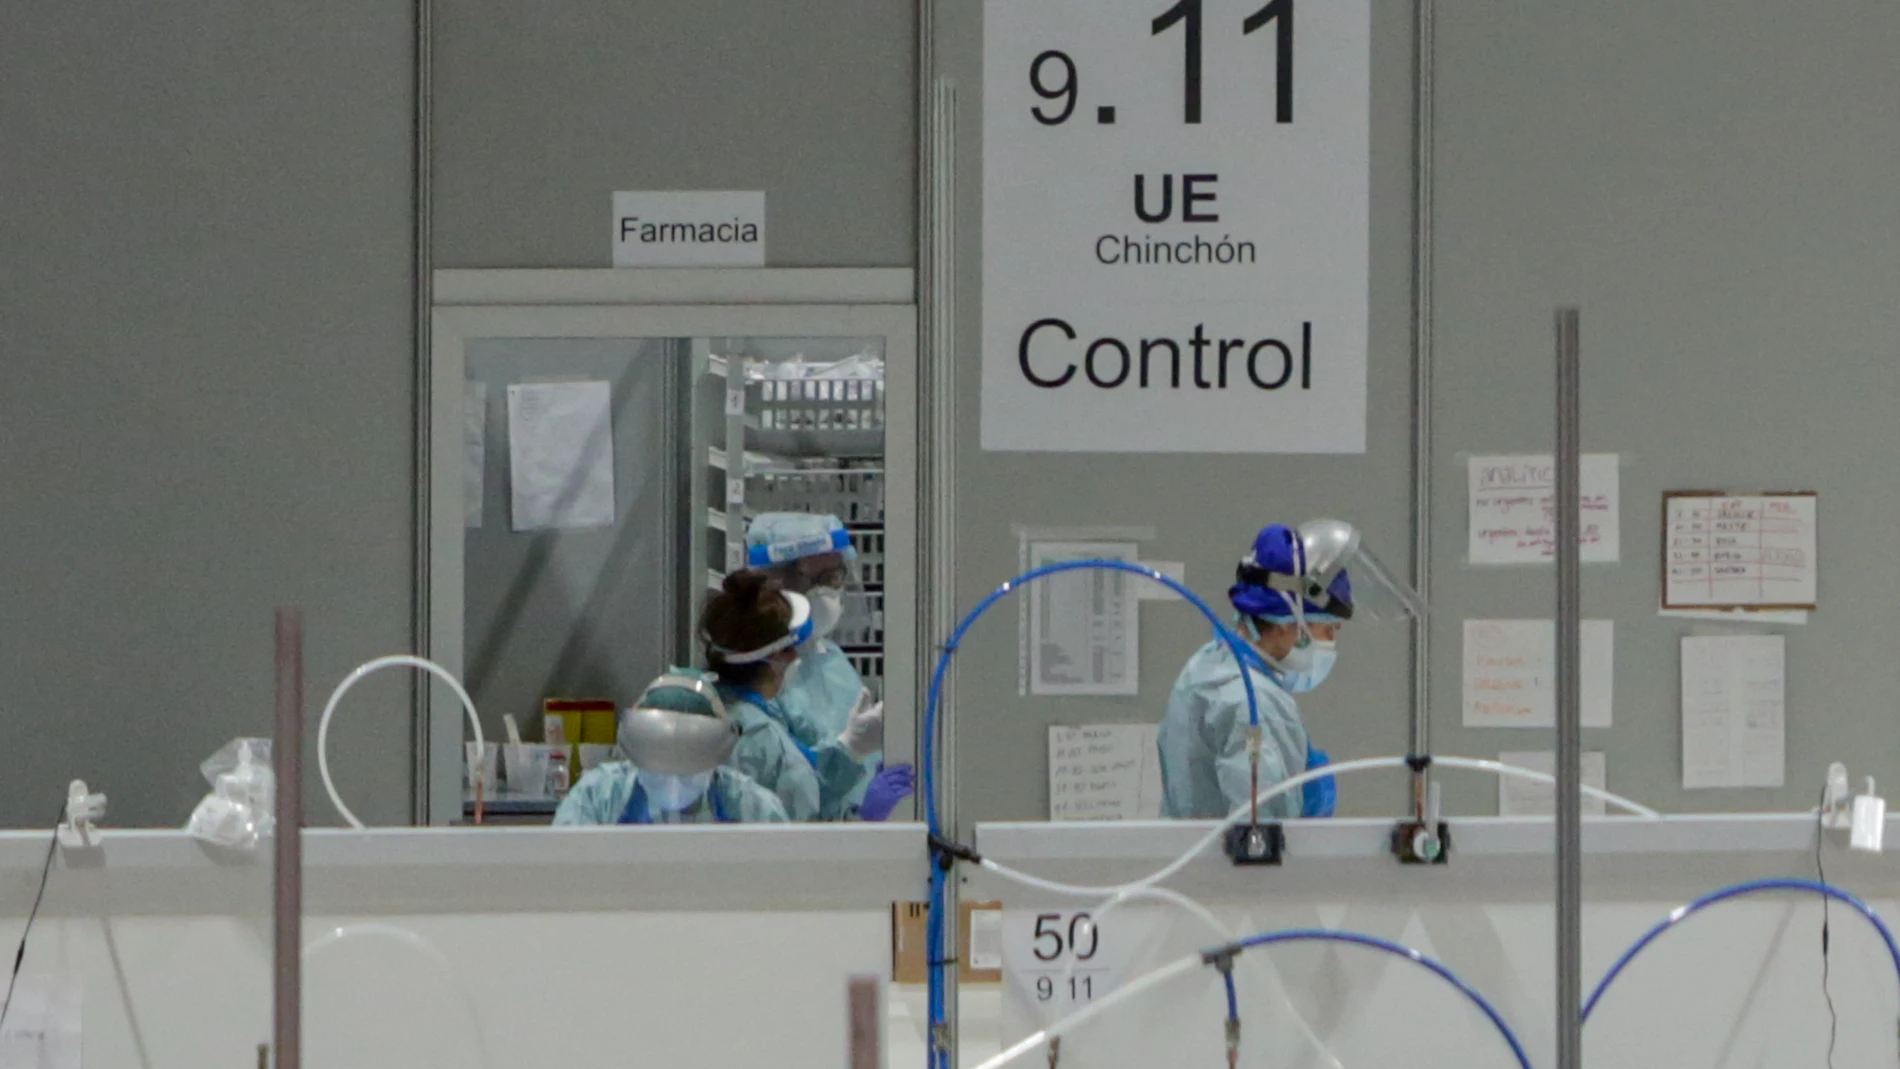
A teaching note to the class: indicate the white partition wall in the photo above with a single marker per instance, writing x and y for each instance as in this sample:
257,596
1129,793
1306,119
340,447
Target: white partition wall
573,947
1737,985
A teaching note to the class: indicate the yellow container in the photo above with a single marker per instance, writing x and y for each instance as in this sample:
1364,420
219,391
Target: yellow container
585,720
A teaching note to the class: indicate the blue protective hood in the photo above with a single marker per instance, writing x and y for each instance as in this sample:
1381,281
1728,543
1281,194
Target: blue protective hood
1276,550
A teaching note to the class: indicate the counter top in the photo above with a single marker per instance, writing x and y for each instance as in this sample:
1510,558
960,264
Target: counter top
1507,856
726,867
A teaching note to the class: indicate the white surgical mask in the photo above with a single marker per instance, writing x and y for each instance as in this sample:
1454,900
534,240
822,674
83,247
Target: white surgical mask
1308,664
827,609
671,795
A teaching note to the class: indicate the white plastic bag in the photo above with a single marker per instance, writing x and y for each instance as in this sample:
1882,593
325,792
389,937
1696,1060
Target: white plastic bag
239,810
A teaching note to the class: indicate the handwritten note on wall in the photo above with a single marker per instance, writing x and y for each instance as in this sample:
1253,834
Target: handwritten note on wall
1739,551
1512,509
1104,772
1734,711
1511,673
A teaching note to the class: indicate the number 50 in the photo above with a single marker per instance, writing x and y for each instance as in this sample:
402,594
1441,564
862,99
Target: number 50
1049,928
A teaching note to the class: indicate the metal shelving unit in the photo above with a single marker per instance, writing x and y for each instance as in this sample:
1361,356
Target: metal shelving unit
803,444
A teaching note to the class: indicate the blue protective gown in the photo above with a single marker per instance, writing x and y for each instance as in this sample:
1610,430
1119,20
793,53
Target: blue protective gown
606,793
823,687
817,701
1205,774
811,774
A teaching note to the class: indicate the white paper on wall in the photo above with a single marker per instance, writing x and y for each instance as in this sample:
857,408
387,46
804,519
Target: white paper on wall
1104,772
561,454
1726,551
474,450
1084,633
1511,509
1518,797
1510,673
1734,711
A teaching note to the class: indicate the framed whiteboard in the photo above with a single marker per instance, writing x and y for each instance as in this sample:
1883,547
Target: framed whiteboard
1739,551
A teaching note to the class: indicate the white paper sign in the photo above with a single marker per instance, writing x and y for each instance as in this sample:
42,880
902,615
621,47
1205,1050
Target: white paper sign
1511,673
1734,711
1084,636
1512,509
561,454
1104,772
689,229
1058,961
986,940
1519,797
1740,551
474,450
1175,226
43,1026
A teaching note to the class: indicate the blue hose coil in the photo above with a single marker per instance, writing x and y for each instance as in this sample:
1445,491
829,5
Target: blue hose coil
939,877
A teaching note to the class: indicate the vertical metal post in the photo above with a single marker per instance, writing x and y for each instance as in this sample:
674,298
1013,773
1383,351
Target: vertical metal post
1422,53
287,845
422,254
1569,704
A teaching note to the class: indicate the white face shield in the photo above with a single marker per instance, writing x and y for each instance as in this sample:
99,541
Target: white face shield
1332,547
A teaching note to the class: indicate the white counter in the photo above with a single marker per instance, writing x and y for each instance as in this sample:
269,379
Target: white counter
381,870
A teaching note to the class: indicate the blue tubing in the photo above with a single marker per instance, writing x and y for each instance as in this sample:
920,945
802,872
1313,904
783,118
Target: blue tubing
933,942
1740,890
1327,935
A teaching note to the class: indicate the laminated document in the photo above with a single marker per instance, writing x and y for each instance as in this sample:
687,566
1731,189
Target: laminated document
1084,635
1734,711
561,454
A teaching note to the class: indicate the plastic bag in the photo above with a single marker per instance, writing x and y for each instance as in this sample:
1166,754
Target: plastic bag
239,811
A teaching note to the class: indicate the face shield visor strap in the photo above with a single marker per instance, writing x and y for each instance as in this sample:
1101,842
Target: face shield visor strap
799,633
837,541
1297,594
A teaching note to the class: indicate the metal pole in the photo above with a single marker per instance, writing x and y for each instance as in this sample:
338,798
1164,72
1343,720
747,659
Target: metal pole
422,809
287,845
1569,706
1422,51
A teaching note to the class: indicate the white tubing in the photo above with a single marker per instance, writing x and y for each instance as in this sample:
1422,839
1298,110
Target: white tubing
1094,1009
1222,936
1502,769
428,949
403,659
1274,791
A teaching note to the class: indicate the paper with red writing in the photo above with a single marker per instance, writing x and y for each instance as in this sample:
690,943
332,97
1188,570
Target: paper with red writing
1511,673
1513,509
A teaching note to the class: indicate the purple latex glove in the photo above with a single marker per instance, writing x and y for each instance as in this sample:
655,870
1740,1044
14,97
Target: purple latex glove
889,786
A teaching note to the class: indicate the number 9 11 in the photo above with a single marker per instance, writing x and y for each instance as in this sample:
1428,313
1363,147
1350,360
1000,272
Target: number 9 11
1060,85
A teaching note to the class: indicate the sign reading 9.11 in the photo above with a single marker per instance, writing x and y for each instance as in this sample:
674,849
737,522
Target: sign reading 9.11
1175,225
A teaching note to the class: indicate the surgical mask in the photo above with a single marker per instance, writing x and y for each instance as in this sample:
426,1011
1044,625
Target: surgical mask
1308,664
827,609
672,795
